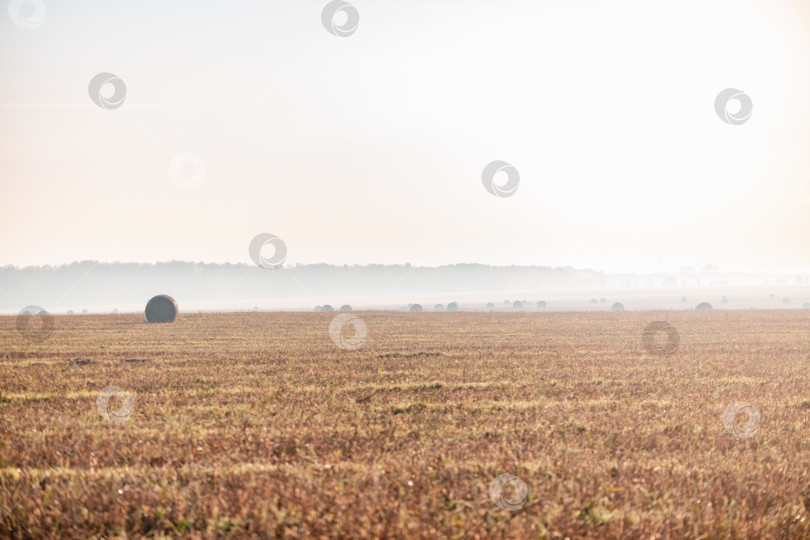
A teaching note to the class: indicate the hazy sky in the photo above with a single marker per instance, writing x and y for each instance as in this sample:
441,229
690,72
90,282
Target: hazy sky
370,148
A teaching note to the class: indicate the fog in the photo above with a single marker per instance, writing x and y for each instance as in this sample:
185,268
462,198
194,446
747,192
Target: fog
104,287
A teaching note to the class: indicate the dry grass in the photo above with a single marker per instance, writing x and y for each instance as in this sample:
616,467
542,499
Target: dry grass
258,425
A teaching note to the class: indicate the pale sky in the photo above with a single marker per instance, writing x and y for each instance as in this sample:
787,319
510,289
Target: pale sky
370,148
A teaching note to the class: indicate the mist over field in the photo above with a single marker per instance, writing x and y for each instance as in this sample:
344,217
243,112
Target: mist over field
103,287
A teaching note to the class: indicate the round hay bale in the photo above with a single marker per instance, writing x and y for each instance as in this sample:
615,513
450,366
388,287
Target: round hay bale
439,307
161,309
452,306
327,307
704,306
517,304
70,312
618,306
345,307
541,304
490,305
416,308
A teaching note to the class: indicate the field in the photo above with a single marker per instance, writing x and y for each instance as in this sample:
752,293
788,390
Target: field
259,424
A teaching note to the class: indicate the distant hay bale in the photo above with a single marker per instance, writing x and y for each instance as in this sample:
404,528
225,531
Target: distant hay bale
327,307
416,308
161,309
439,307
490,305
704,306
345,307
452,306
618,306
541,304
517,304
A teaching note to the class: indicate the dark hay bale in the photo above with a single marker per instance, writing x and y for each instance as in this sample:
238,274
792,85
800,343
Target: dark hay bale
541,304
517,304
327,307
345,307
161,309
704,306
452,306
439,307
618,306
416,308
490,305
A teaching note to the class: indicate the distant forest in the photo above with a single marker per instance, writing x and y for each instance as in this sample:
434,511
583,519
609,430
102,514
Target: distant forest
94,283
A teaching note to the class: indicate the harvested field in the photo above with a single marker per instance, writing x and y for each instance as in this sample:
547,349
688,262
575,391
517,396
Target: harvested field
259,424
